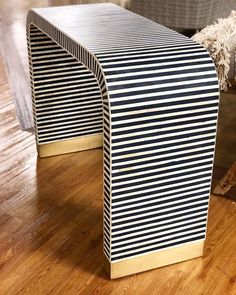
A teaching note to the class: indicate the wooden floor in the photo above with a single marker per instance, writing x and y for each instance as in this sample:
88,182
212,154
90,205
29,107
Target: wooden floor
51,226
51,209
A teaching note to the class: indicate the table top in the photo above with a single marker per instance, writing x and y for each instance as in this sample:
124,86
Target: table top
108,27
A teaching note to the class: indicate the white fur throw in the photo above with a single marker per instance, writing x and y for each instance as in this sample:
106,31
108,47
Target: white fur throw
220,41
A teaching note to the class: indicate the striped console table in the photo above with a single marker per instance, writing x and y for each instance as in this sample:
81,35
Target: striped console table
104,76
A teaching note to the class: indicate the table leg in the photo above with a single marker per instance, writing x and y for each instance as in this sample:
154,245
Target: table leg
66,99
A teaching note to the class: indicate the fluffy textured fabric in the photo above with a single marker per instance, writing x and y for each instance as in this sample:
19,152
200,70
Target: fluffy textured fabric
220,40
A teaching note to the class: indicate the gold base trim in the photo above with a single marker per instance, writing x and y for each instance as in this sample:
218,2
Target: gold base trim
70,145
154,260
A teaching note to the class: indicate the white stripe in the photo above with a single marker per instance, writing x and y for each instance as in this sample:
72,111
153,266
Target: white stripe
160,64
65,77
157,116
194,189
35,68
168,135
87,111
50,91
182,153
54,60
78,106
160,48
176,178
156,235
158,129
158,170
175,141
145,53
150,49
166,216
130,61
155,207
161,78
159,123
67,91
164,223
58,124
67,102
69,84
59,70
54,133
69,125
44,57
159,86
174,147
103,49
78,95
57,137
158,244
157,71
121,196
163,93
150,230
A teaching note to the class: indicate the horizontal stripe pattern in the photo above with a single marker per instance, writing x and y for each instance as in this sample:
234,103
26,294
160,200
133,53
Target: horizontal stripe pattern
158,110
67,94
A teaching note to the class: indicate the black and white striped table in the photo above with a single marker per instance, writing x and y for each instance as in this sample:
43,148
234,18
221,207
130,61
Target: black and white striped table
103,76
